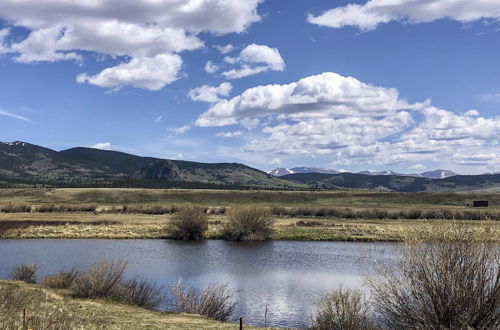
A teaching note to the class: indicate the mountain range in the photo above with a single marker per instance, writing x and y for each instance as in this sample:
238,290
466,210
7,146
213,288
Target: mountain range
23,164
437,174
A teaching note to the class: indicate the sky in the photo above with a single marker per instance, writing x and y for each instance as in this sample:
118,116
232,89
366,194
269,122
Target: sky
403,85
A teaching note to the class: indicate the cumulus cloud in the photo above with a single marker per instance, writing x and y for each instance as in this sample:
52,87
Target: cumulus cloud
229,134
225,49
139,31
320,96
210,67
356,123
254,59
418,167
103,146
151,73
210,94
374,12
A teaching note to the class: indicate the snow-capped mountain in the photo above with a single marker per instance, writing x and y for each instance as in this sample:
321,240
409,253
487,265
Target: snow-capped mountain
389,173
280,171
438,174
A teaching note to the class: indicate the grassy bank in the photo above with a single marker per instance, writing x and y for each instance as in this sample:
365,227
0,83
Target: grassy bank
122,226
144,213
57,308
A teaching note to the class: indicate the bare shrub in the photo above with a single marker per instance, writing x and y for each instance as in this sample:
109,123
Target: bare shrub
100,280
15,208
25,272
249,223
302,223
62,280
188,224
106,280
342,310
139,293
215,302
448,278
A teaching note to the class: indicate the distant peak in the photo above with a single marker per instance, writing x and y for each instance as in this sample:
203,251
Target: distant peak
15,143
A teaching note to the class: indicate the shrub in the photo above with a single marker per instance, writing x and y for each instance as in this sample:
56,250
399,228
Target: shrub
25,272
100,280
15,208
447,278
62,280
342,310
215,302
139,293
249,223
105,280
188,224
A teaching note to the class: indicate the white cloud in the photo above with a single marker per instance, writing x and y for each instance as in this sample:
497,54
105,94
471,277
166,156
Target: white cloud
103,146
417,167
374,12
356,123
254,59
229,134
211,67
3,35
225,49
210,94
180,130
324,95
151,73
13,115
142,30
322,136
158,119
276,162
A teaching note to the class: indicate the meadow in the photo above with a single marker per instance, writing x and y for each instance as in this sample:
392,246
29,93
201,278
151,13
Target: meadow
311,215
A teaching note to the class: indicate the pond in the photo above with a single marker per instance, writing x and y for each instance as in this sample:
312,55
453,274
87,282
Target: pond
286,276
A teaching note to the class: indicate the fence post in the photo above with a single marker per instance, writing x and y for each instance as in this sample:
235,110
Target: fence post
241,323
24,318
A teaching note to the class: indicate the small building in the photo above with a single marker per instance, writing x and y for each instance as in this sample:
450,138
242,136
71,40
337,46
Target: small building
480,204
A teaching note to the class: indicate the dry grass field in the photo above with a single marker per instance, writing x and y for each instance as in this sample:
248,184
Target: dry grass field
144,213
56,309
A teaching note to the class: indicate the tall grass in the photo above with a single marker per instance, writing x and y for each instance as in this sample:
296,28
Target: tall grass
13,301
448,278
410,214
215,302
249,223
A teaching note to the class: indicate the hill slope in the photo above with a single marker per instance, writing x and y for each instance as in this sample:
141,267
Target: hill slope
24,163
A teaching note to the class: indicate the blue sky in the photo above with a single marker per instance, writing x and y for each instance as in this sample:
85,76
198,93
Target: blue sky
349,85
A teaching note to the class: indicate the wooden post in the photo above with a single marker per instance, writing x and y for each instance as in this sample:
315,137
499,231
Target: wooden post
241,323
24,318
265,318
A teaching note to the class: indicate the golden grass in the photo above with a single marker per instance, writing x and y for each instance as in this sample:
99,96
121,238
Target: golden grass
97,314
109,222
127,226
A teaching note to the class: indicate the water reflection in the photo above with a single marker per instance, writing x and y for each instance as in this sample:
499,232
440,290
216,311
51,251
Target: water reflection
287,277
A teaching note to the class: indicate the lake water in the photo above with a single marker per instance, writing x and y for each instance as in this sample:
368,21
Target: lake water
286,276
